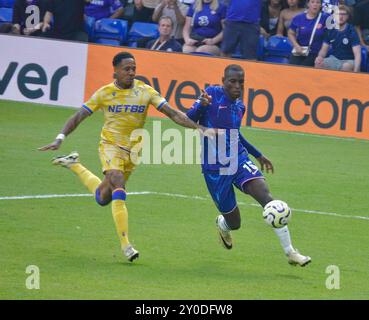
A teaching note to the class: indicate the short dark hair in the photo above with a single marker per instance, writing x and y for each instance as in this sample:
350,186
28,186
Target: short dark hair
232,67
120,56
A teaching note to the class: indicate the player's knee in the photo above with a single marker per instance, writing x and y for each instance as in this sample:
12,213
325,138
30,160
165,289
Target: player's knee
102,201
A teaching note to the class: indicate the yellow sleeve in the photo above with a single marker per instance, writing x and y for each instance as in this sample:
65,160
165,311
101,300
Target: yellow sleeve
156,99
94,103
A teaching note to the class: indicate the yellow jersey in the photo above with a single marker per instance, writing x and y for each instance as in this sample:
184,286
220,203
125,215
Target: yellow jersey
124,110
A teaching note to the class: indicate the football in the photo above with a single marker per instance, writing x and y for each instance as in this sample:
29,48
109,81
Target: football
277,214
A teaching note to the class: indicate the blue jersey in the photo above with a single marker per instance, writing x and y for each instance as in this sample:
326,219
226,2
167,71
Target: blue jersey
244,11
207,23
304,28
222,113
342,42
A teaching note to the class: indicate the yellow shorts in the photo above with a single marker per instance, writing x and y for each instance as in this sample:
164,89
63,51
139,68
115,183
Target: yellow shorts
113,157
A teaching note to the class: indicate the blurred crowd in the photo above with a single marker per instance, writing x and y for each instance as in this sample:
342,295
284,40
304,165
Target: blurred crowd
329,34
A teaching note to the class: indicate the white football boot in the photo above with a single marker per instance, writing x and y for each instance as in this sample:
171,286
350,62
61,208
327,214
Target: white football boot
295,258
224,237
66,161
130,253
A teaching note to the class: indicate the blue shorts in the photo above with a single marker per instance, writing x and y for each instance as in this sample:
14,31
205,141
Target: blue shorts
221,186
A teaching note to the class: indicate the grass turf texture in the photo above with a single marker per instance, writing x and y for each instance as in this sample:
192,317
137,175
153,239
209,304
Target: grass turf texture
73,241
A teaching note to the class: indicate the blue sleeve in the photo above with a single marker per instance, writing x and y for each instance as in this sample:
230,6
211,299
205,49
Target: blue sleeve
197,111
355,41
249,147
190,11
294,24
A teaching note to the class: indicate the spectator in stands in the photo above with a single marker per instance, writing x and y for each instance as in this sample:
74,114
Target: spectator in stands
270,13
203,29
177,11
68,20
242,27
100,9
361,22
301,33
144,10
294,7
28,22
165,42
345,46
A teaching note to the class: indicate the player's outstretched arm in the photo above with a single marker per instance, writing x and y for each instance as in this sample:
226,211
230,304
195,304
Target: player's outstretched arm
180,118
71,124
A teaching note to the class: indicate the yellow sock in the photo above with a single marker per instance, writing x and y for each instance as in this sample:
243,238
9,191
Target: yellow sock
120,216
86,176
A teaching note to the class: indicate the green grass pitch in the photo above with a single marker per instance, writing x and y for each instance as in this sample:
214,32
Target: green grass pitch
74,244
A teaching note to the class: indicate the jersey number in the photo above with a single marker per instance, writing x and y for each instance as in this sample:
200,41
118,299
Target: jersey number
250,167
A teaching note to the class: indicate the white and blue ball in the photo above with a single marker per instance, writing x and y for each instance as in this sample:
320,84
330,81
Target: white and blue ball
277,213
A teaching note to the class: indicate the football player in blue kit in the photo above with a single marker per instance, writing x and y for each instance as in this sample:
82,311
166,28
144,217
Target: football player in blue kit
227,164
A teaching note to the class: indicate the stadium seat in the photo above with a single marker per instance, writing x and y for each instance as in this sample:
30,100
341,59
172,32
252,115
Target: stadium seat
111,31
6,15
6,3
90,27
278,49
141,30
364,60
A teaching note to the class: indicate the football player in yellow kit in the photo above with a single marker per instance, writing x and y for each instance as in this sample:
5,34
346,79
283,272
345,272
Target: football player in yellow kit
125,103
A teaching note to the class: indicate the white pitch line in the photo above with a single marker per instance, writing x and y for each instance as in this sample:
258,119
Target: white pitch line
177,195
46,196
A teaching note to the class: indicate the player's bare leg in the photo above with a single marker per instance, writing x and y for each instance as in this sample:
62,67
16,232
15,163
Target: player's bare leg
225,223
259,190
